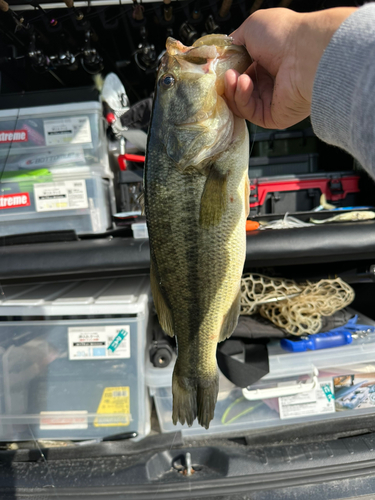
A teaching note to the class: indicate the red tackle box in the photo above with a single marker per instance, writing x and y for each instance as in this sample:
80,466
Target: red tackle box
278,195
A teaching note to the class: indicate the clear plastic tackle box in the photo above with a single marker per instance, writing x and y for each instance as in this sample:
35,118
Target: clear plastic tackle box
72,359
60,136
300,387
55,200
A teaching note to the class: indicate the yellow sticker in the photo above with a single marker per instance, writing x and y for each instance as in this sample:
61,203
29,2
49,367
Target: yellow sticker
115,408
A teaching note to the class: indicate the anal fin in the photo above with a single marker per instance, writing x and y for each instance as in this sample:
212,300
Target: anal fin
214,199
231,319
162,310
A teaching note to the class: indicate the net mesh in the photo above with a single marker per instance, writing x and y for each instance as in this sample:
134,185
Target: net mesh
297,308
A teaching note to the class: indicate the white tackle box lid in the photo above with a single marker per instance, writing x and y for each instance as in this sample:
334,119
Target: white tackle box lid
51,109
127,295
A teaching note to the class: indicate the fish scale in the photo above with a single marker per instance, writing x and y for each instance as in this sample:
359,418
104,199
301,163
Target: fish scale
196,213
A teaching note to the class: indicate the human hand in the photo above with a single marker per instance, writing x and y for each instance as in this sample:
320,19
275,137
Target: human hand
286,47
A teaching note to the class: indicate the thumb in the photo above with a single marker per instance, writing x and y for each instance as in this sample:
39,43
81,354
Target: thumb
238,36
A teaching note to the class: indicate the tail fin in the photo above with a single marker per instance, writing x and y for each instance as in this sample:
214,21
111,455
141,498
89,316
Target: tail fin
194,397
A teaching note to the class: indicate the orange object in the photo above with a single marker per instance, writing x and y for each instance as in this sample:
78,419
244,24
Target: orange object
252,225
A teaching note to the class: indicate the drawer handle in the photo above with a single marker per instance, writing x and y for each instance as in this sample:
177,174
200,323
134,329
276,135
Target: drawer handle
277,392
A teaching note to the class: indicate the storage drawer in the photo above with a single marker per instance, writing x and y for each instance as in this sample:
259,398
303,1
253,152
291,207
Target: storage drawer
72,360
42,201
54,136
300,387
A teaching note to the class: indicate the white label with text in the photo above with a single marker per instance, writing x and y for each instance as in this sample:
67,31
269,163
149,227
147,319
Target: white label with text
316,402
99,342
68,195
74,130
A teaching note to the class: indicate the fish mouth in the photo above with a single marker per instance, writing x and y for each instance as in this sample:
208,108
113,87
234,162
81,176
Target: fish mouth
176,49
206,127
206,58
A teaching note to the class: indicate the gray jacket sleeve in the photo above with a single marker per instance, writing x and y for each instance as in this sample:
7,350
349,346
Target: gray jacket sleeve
343,102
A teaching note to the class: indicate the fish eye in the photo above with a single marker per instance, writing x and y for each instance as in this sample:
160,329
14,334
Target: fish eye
167,81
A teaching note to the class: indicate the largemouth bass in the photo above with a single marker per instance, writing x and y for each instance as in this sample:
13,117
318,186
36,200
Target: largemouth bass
196,195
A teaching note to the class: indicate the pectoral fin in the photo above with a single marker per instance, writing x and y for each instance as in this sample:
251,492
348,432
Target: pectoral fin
231,319
214,199
162,310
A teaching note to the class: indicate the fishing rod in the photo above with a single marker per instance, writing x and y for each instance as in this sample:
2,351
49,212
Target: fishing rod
89,57
91,60
19,20
78,13
225,8
168,11
37,57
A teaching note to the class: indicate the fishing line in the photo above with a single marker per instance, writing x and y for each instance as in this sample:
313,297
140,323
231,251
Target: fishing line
10,145
5,163
256,126
53,492
171,446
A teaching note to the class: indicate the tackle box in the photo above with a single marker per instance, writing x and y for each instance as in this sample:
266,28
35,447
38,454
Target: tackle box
278,195
282,165
72,359
300,387
283,143
61,135
55,200
295,140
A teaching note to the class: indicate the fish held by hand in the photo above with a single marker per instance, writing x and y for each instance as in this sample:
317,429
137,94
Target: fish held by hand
196,203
